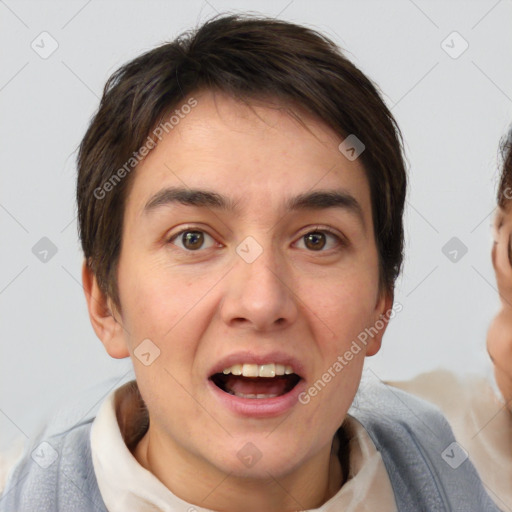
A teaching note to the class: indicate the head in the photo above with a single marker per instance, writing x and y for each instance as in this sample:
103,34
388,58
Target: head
499,337
222,225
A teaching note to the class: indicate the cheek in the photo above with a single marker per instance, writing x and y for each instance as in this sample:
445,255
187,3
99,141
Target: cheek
334,384
172,310
157,299
504,382
342,305
340,314
499,345
499,339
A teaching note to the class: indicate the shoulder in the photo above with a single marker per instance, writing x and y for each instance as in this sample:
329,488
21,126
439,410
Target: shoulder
427,467
376,400
480,420
444,388
55,468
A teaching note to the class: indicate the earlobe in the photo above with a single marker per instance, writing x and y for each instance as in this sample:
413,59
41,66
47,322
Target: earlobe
106,324
383,310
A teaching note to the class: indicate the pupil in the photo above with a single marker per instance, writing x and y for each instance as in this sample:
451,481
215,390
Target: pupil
315,241
193,239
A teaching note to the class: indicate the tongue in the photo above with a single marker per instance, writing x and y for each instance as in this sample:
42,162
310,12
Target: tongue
256,385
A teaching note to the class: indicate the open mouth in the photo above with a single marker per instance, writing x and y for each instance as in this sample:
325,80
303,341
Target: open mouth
256,381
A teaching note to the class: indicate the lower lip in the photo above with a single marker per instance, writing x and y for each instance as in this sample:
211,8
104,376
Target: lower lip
258,407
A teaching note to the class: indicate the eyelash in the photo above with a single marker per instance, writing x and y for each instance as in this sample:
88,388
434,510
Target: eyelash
340,241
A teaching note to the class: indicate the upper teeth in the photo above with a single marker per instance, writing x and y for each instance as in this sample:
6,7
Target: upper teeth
259,370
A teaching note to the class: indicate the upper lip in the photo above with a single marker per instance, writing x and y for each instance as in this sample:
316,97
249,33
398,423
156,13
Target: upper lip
251,357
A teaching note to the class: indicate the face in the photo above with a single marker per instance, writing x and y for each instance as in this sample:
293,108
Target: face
499,337
248,247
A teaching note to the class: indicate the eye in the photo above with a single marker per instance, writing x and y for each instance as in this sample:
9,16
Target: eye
320,240
192,240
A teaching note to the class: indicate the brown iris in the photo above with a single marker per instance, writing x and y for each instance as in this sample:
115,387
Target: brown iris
315,240
192,239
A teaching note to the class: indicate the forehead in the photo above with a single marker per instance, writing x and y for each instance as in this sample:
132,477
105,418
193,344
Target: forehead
247,151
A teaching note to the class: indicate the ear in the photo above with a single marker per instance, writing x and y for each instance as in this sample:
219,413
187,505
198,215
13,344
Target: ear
383,312
500,256
102,314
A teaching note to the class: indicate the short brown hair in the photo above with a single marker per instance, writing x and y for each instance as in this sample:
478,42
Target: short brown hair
247,57
505,184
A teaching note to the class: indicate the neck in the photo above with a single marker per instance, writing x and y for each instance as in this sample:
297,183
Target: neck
306,487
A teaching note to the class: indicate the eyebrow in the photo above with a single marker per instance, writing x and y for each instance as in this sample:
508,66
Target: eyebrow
321,199
189,197
317,200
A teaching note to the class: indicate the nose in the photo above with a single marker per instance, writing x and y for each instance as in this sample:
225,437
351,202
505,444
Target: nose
258,294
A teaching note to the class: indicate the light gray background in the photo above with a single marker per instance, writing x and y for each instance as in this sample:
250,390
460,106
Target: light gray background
452,112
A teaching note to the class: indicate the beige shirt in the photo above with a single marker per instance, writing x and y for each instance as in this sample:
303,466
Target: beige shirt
481,422
126,485
9,458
